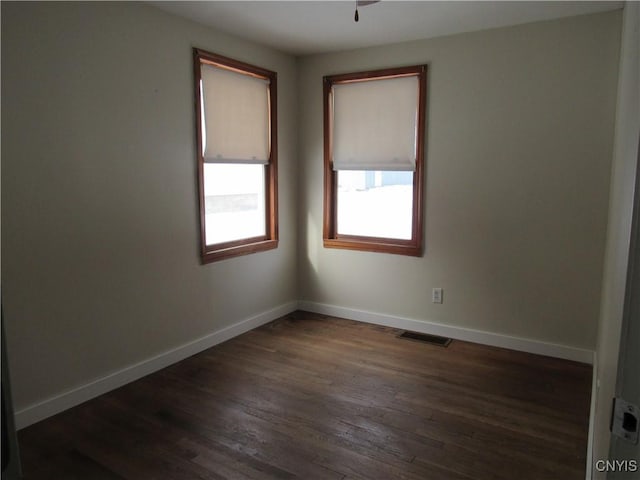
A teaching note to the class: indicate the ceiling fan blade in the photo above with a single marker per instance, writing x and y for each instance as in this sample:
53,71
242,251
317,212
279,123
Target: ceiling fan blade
364,3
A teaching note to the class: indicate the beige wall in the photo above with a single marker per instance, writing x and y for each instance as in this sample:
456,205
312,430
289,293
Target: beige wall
627,128
519,135
100,233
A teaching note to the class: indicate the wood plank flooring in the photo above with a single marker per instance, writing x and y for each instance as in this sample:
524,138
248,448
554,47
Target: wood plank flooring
315,397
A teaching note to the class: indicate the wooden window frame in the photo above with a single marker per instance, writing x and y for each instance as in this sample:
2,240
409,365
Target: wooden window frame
221,251
331,238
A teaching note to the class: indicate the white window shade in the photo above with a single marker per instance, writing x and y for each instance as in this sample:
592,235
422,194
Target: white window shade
235,117
374,124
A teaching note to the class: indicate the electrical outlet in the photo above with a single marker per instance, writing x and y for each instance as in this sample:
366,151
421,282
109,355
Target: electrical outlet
436,295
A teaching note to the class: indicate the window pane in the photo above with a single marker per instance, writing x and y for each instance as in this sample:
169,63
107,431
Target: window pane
234,196
375,203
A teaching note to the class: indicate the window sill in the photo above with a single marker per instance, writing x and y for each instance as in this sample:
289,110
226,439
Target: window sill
378,245
223,253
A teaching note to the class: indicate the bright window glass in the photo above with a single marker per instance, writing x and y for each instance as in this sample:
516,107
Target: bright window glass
234,196
375,204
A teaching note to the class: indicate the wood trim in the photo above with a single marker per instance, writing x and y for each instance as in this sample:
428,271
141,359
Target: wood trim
232,64
368,245
212,253
329,216
377,74
331,238
234,243
272,168
197,78
243,248
419,174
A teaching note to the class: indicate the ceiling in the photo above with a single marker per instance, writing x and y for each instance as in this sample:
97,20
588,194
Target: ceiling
308,27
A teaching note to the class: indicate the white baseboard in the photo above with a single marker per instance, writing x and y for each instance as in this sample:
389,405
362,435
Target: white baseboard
459,333
63,401
592,418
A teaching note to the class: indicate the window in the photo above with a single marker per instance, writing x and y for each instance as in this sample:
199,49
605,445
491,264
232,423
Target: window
374,129
237,161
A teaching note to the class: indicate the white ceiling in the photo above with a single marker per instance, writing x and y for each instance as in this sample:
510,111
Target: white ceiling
307,27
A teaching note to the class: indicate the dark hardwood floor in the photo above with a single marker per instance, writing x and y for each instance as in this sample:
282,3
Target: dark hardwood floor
316,397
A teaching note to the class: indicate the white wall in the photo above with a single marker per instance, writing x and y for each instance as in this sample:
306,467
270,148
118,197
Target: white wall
99,203
519,141
627,129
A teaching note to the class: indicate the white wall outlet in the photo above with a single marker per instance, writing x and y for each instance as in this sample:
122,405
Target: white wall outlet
436,295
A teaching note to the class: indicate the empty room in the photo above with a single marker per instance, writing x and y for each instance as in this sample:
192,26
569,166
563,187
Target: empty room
320,240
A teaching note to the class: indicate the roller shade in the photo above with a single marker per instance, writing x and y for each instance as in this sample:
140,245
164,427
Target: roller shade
235,117
374,124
